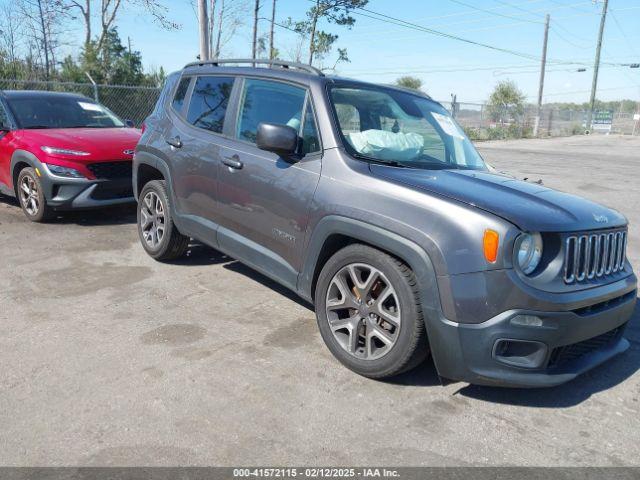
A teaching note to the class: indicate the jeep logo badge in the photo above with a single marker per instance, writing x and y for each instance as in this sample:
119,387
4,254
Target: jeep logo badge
601,218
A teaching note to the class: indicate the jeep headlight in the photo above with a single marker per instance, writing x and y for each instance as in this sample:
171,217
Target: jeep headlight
529,252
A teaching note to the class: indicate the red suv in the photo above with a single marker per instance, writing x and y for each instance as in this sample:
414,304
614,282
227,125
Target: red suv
63,151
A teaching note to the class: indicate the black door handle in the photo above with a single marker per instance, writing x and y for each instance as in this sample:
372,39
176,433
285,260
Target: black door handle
233,162
175,142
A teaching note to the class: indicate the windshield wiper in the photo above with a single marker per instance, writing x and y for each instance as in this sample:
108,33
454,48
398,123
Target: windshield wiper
391,163
37,127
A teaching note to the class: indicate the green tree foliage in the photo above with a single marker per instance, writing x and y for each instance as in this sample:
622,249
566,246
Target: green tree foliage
623,106
336,12
506,102
111,64
409,82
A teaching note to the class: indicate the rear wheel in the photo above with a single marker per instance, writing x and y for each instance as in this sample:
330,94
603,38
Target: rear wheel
31,196
158,234
369,312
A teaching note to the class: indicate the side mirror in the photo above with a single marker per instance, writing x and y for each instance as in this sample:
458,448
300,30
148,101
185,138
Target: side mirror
130,124
280,139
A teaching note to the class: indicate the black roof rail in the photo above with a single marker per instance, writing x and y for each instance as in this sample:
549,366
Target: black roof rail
271,63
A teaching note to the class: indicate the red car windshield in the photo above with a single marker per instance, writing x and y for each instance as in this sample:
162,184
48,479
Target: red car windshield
62,112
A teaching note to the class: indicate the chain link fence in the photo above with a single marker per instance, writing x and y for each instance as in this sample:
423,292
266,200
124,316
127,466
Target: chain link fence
480,121
128,102
483,122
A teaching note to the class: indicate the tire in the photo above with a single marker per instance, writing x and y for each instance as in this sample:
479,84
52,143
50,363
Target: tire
31,196
158,234
405,345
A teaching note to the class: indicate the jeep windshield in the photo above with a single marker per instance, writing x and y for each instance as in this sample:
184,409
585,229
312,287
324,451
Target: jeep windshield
385,125
48,111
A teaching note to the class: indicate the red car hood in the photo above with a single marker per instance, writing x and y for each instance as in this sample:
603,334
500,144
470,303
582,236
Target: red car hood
102,144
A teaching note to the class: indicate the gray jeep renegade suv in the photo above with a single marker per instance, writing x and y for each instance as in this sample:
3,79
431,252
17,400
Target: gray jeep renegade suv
370,202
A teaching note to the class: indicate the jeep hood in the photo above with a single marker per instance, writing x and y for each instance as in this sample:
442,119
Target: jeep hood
529,206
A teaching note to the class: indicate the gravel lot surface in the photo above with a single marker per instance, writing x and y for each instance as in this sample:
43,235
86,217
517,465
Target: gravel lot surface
108,358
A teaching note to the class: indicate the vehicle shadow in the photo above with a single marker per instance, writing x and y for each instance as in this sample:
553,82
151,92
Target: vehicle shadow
424,375
242,269
200,255
117,215
604,377
577,391
9,200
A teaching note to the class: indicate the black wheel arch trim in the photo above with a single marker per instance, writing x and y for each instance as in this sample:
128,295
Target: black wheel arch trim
146,158
22,156
408,251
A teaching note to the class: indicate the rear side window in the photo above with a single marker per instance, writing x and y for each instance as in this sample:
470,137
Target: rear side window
270,102
181,93
209,103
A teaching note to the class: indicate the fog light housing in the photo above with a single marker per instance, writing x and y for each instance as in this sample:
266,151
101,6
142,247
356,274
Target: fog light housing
520,353
527,321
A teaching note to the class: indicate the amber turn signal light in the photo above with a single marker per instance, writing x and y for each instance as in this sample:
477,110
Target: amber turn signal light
491,241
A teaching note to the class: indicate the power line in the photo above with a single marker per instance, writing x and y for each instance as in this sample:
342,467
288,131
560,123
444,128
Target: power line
556,24
566,40
397,21
626,38
403,23
463,13
497,14
362,32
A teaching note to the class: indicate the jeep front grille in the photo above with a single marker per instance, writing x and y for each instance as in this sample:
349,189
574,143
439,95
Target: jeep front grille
594,255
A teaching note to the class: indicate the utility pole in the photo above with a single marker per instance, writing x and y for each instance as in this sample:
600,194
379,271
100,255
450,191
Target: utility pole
256,11
543,66
273,22
596,67
203,24
211,27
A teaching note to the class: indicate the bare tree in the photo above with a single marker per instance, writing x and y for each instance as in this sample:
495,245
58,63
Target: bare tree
109,10
10,30
211,27
44,21
230,15
84,6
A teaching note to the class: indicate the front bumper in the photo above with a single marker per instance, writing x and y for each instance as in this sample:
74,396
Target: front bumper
557,346
70,193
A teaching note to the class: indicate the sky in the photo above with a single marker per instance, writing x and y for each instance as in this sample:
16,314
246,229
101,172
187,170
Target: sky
380,50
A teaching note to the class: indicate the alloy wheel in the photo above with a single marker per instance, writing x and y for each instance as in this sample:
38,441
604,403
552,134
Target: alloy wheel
363,310
152,219
29,195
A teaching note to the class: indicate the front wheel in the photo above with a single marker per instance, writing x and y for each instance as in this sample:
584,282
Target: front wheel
158,234
369,312
31,196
